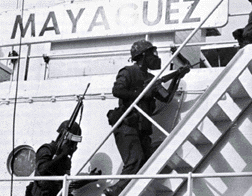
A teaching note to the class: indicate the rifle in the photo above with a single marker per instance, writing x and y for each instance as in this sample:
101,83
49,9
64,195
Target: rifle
160,90
66,135
170,75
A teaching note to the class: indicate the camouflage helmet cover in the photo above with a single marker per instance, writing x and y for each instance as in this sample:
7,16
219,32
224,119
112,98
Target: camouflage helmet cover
139,47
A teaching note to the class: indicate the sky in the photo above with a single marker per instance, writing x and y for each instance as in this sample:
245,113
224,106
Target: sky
235,6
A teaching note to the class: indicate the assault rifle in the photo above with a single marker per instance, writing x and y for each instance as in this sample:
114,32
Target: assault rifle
171,75
160,90
66,135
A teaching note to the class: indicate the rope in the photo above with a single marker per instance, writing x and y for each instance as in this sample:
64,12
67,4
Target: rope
15,108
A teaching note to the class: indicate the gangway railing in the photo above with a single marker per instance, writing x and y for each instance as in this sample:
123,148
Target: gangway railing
134,104
115,52
80,54
189,177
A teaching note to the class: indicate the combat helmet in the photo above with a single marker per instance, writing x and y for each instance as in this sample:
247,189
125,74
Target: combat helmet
139,47
74,134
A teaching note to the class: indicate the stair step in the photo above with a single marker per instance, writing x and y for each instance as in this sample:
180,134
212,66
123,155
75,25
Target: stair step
196,137
240,93
250,68
219,118
156,188
245,79
229,107
189,153
200,141
236,90
216,114
159,186
242,102
209,130
166,170
171,183
223,125
178,164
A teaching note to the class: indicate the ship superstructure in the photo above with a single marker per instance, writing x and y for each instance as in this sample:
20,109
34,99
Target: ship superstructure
61,48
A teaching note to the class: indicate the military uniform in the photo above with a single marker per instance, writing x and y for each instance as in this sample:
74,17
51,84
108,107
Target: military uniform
132,136
133,139
43,155
247,31
244,35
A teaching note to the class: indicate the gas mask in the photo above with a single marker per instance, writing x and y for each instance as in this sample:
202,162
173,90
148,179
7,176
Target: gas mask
153,62
151,59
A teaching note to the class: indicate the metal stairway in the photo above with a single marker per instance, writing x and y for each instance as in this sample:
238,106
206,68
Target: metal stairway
192,139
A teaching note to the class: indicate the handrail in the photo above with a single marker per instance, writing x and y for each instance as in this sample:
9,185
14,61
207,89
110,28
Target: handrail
148,87
151,120
131,176
74,97
189,176
116,52
188,123
174,55
239,14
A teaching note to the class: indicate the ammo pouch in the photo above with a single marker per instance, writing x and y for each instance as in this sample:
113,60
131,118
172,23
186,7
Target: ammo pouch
130,120
115,114
162,92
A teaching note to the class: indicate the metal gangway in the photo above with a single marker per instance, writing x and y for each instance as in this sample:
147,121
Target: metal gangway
226,83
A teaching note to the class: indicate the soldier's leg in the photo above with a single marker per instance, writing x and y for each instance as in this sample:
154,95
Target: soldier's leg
131,151
146,146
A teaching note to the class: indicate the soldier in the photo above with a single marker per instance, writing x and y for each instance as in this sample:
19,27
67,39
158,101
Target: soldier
244,35
133,135
247,31
51,161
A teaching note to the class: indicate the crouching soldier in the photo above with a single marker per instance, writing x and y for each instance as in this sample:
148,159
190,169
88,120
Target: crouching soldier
54,159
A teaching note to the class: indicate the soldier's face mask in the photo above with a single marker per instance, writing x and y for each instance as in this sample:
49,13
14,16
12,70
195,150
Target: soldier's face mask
151,59
71,145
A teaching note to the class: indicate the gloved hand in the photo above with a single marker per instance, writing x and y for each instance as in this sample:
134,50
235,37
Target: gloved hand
66,150
182,71
77,184
93,172
80,183
173,49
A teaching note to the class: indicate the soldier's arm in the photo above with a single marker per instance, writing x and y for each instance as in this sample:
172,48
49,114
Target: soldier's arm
121,86
46,164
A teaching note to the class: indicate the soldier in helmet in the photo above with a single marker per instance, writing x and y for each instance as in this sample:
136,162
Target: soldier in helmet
53,161
244,35
133,135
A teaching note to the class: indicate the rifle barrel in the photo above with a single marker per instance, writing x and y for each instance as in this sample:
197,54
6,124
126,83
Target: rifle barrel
197,63
76,110
86,90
